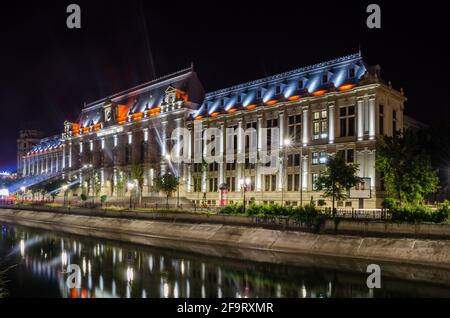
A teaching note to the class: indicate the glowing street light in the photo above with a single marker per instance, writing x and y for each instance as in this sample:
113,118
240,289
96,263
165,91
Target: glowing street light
245,183
130,187
64,188
22,189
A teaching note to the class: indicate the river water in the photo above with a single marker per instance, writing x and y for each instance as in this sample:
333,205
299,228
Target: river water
37,261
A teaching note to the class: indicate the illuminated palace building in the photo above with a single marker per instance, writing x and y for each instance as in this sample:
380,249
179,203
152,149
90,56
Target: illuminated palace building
335,107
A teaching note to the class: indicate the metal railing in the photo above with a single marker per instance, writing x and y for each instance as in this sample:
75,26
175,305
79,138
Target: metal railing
352,213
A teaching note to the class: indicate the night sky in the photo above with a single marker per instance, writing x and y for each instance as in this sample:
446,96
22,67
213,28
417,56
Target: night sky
48,71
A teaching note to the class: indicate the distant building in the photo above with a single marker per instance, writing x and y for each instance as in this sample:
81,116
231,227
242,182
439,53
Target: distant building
44,158
27,139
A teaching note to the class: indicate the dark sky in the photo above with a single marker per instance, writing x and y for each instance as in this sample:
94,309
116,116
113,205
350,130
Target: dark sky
49,71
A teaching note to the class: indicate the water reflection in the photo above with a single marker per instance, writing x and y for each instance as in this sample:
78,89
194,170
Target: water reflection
110,269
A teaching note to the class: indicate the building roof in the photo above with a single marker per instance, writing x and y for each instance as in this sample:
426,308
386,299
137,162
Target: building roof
336,73
47,144
146,96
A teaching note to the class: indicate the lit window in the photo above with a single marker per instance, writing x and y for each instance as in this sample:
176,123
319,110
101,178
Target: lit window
320,125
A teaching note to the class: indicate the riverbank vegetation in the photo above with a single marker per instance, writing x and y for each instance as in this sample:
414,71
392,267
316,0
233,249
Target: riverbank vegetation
310,213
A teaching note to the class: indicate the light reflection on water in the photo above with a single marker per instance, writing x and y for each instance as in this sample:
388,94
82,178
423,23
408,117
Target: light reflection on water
111,269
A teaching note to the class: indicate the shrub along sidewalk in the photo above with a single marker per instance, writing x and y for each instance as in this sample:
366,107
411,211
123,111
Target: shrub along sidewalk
311,214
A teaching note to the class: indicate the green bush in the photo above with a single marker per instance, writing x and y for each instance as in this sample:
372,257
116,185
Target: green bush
418,214
306,214
103,198
232,209
389,203
83,197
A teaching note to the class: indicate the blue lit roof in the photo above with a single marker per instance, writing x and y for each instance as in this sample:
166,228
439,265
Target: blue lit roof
47,144
305,80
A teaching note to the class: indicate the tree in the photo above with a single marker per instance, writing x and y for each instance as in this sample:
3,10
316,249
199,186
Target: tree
406,168
97,185
337,179
167,184
137,173
120,184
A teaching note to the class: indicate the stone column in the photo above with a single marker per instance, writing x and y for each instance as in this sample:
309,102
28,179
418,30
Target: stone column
240,154
305,127
70,155
360,118
204,176
305,173
372,117
281,155
258,164
221,152
163,147
331,121
52,159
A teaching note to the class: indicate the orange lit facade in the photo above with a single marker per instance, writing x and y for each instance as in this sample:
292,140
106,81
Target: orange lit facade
338,107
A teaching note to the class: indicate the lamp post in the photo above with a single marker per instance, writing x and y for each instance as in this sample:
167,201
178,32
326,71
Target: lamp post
130,186
64,188
245,183
22,189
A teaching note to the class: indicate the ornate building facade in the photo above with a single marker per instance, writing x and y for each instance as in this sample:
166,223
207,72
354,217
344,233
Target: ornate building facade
338,107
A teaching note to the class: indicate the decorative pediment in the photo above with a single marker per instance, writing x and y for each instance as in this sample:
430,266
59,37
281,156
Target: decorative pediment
173,99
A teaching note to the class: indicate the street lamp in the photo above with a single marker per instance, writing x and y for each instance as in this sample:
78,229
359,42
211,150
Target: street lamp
64,188
130,186
22,189
244,184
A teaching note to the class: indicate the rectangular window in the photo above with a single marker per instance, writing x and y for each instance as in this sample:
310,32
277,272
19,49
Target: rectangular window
289,182
381,120
296,182
266,183
315,176
319,158
271,123
347,121
351,72
348,155
278,89
320,125
295,127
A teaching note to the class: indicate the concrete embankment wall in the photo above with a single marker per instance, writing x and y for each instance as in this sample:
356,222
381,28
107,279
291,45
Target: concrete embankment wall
285,242
342,226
